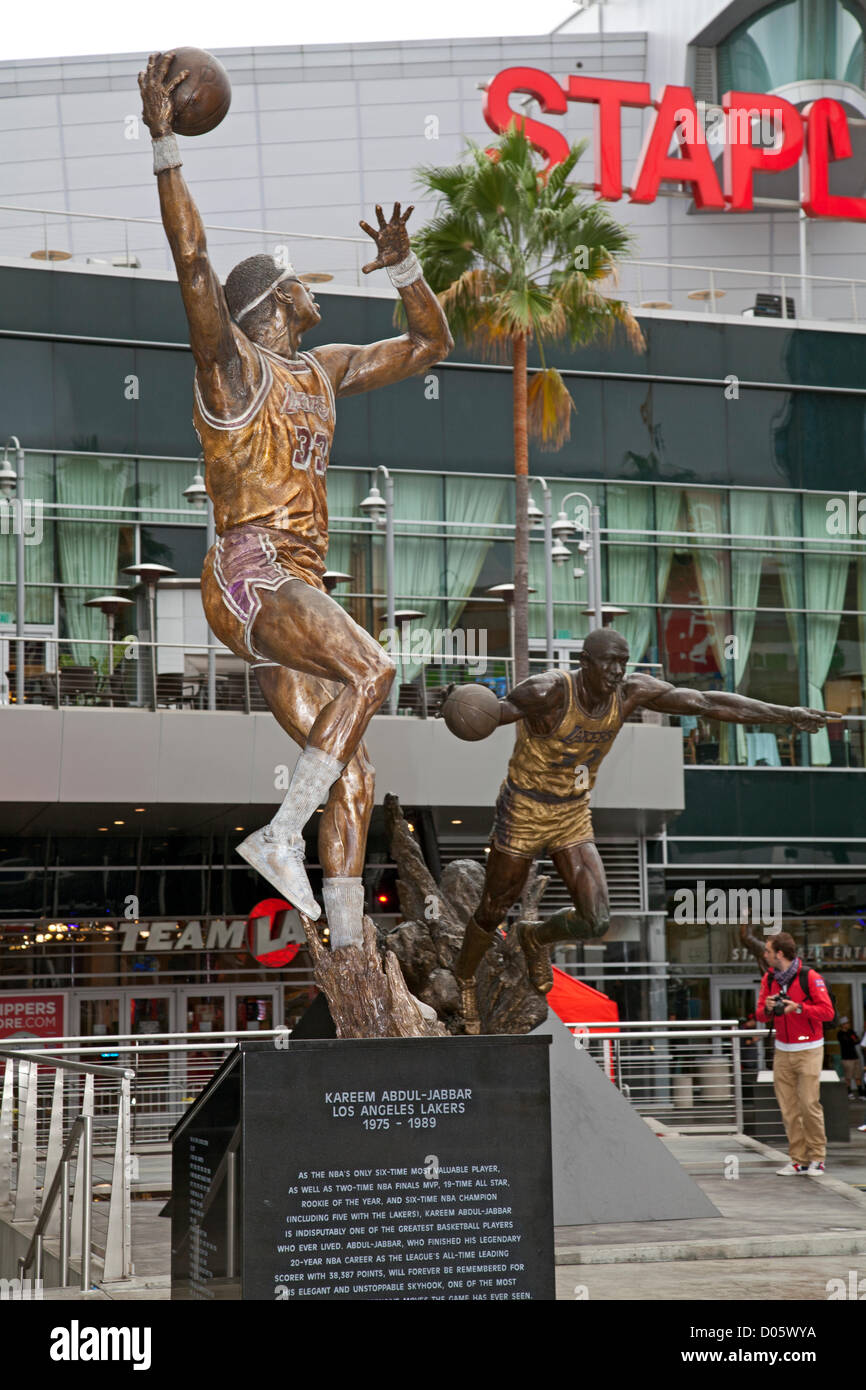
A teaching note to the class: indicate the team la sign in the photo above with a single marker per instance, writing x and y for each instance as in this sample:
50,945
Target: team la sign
739,129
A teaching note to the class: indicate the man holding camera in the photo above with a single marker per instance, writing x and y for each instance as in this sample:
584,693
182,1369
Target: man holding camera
796,1001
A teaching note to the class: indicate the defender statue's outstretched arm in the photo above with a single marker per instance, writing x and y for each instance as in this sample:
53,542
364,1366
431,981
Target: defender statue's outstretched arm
648,693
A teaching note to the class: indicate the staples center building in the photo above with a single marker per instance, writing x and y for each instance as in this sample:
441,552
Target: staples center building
727,463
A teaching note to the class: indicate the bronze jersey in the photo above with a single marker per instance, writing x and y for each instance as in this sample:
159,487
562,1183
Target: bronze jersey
543,804
545,766
266,467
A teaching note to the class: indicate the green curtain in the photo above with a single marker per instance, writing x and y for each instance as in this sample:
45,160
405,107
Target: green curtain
418,560
348,539
705,511
630,564
786,524
826,576
749,512
88,548
482,501
38,553
860,733
669,501
706,517
161,483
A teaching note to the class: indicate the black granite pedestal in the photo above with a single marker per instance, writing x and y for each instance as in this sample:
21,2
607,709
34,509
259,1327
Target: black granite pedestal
396,1169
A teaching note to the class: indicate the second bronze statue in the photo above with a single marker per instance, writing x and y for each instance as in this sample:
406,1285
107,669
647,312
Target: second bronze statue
264,410
568,722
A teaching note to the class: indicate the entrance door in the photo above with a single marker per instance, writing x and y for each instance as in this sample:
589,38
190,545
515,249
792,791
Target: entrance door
255,1007
96,1013
739,1000
148,1011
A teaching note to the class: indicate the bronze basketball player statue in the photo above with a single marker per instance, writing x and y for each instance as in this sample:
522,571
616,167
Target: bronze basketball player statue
568,722
264,412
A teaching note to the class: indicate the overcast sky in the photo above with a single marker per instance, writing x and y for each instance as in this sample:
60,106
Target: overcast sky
62,28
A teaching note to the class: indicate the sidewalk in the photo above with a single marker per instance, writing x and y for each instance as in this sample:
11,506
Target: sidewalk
776,1237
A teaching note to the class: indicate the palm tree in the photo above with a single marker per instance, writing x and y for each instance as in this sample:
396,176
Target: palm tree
517,255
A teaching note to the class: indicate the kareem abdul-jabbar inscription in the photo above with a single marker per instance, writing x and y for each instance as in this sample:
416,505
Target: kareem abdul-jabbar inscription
402,1169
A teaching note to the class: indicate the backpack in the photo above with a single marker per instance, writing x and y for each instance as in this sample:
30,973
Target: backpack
804,985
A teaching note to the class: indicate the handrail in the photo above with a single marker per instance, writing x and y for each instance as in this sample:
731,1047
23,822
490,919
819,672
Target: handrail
108,1038
738,270
64,1063
707,1033
82,1129
157,222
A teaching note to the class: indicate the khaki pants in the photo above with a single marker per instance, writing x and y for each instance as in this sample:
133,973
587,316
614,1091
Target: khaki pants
796,1081
851,1068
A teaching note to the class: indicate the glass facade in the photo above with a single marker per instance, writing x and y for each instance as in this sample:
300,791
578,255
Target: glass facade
791,41
755,590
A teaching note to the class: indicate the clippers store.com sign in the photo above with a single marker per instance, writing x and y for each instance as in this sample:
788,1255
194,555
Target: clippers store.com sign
820,131
31,1015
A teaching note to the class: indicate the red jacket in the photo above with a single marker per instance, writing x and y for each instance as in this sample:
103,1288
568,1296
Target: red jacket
817,1009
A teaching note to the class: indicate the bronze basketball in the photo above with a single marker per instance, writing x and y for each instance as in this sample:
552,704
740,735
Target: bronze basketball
201,101
471,712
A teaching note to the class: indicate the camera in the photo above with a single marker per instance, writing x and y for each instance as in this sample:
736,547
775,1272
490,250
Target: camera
774,1005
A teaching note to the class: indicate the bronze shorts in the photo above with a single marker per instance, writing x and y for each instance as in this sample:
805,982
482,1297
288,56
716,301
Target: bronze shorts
526,825
242,561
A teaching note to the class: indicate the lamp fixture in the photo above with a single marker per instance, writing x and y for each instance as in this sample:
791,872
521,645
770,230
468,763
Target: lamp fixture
196,493
8,476
374,507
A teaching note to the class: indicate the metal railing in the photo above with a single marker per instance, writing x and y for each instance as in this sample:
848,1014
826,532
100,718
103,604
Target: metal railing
163,1074
687,1075
684,287
82,1106
137,245
120,675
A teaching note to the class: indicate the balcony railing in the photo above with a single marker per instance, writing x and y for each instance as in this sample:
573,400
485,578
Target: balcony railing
138,245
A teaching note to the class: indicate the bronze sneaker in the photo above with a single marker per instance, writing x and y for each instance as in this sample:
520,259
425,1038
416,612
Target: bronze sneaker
537,958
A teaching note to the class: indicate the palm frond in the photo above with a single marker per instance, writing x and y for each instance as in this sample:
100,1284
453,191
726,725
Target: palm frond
548,409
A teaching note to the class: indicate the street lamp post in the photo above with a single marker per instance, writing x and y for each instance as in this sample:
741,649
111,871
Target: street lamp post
380,511
505,592
110,605
8,480
545,517
196,495
592,549
150,575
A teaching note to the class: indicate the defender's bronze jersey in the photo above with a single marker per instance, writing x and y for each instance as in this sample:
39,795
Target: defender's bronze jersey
544,767
267,466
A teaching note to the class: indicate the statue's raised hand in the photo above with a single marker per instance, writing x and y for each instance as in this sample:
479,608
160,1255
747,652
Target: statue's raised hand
156,105
391,238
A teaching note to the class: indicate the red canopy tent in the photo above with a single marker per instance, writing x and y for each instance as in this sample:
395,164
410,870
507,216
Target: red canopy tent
577,1002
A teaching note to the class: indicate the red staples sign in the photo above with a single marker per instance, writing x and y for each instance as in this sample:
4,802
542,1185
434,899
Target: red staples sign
754,132
37,1015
